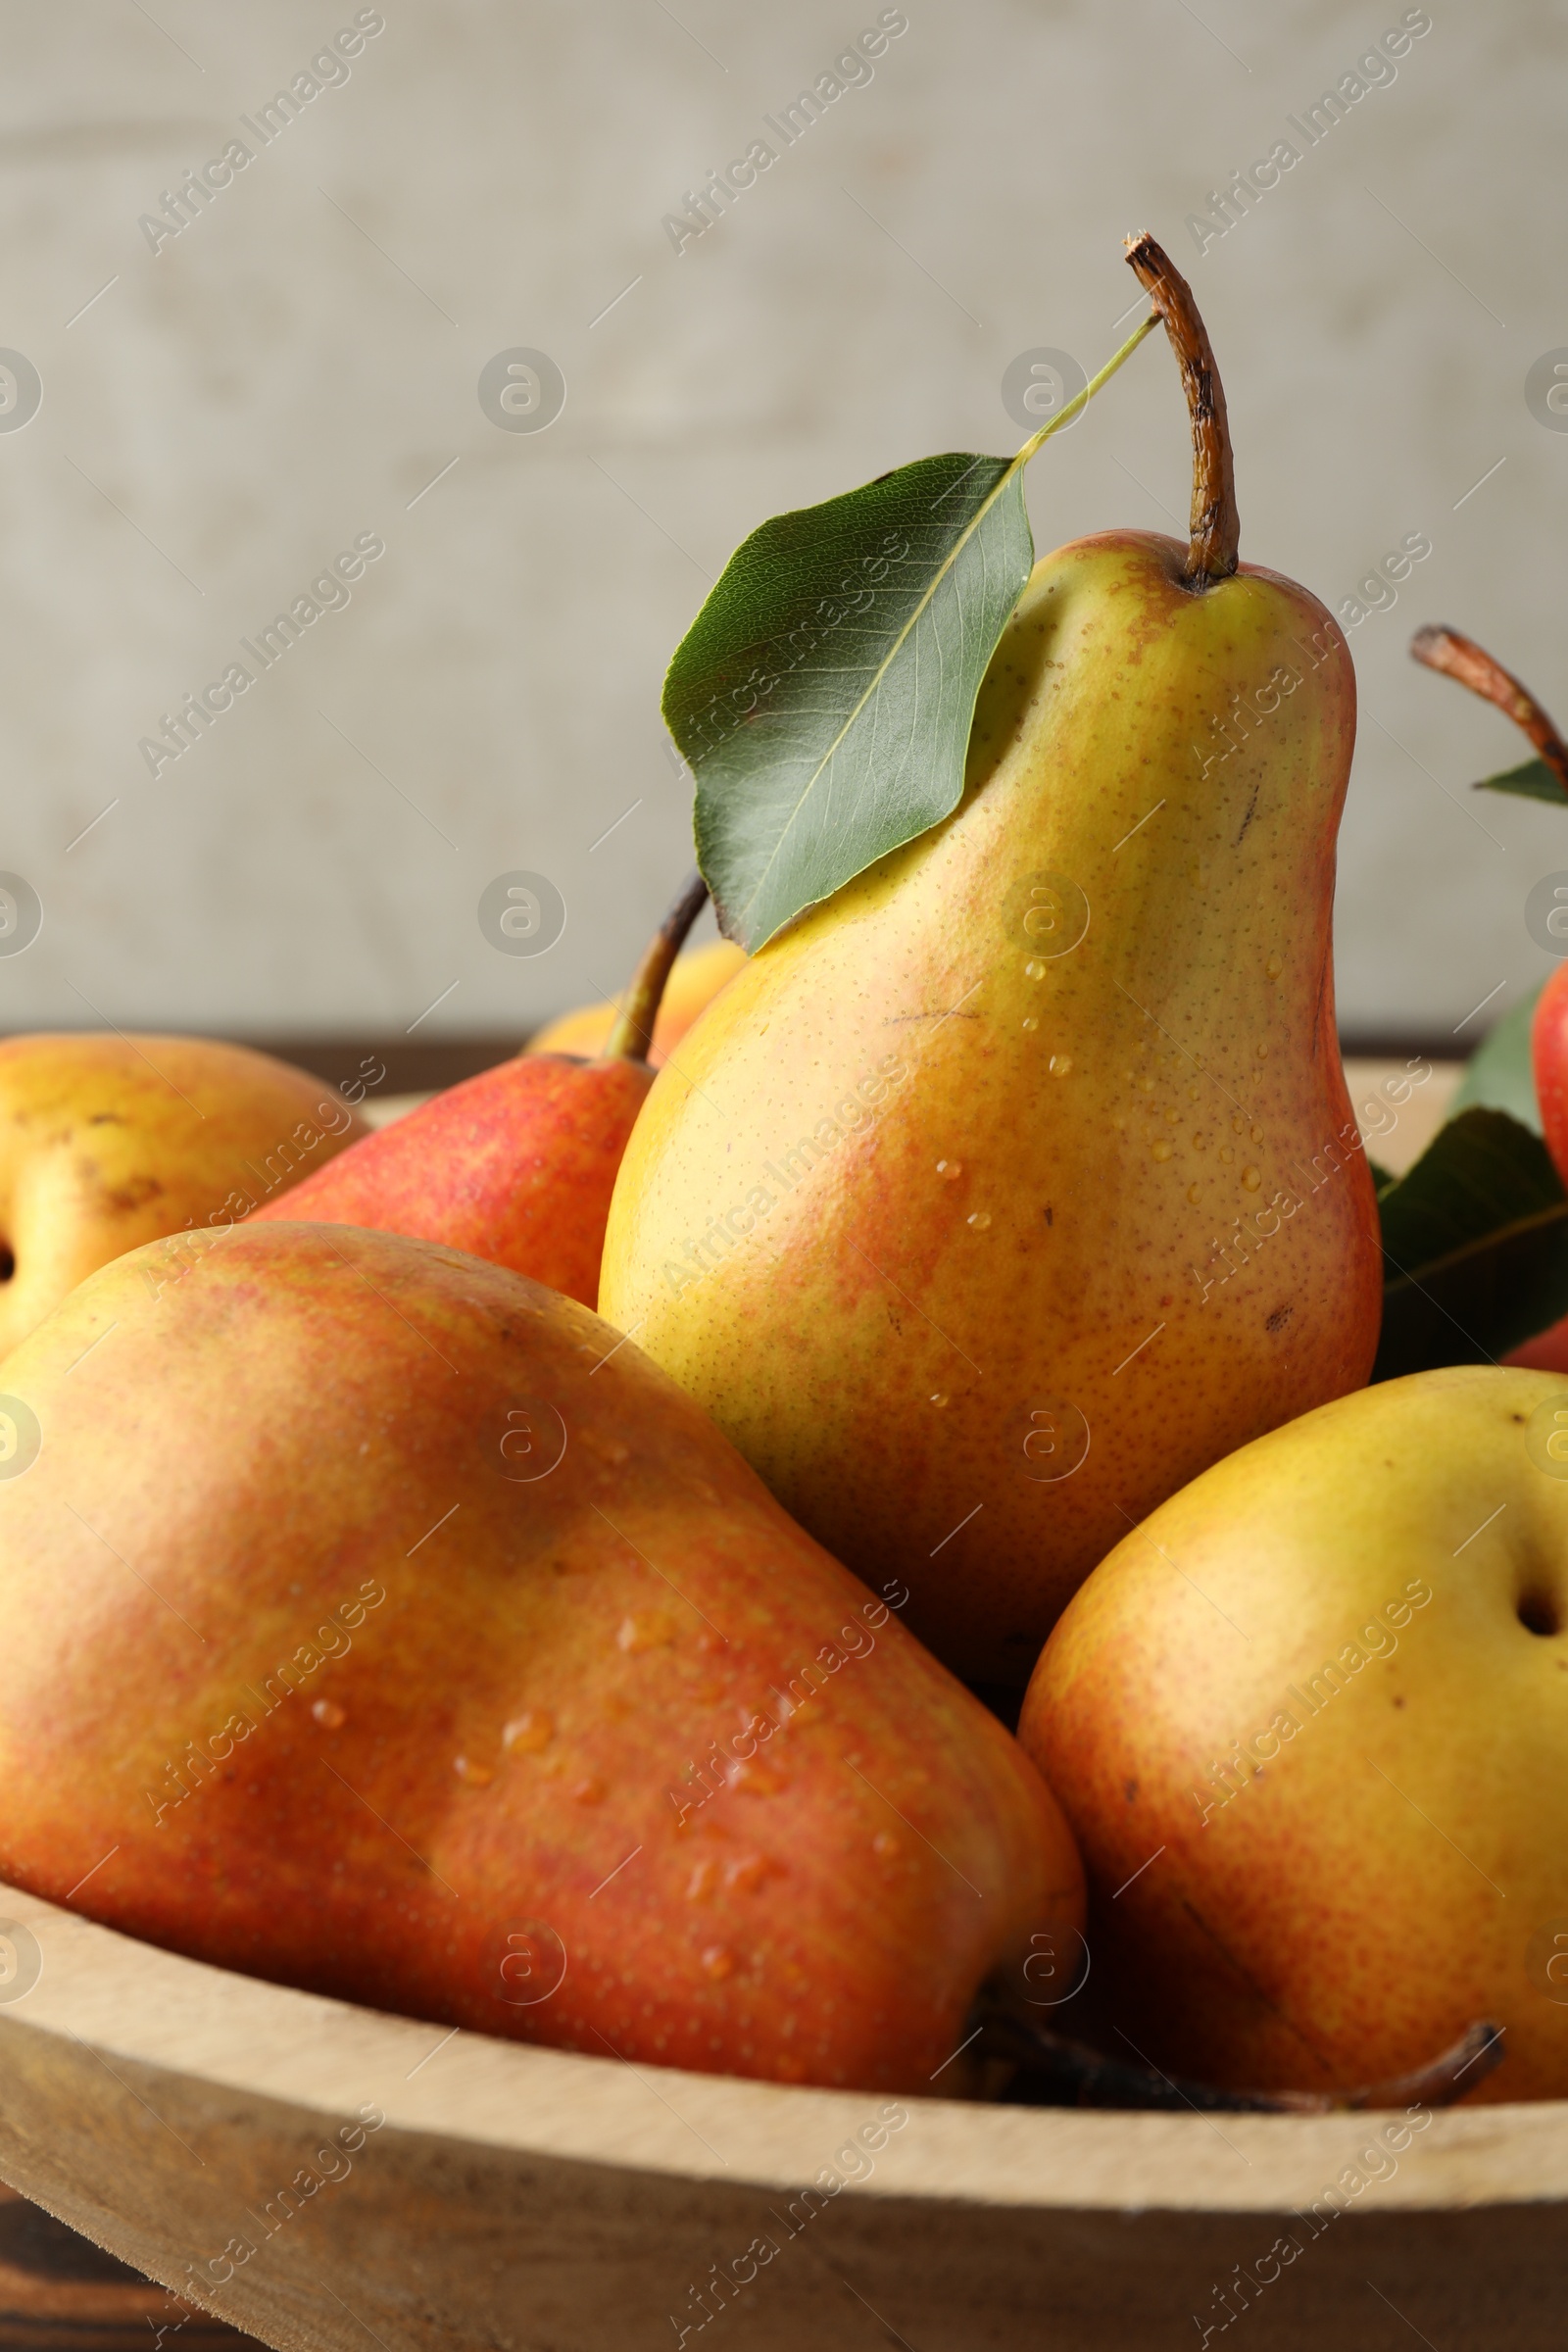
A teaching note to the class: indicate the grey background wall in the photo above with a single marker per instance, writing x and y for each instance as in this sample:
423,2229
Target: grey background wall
300,363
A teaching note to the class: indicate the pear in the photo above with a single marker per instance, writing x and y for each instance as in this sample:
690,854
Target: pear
1309,1726
374,1621
108,1141
1017,1182
1547,1350
517,1164
694,982
1454,656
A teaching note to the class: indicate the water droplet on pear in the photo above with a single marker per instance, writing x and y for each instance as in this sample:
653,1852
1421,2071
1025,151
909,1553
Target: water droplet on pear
528,1733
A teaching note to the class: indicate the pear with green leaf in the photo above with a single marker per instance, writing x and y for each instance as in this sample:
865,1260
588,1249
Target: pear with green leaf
1016,1182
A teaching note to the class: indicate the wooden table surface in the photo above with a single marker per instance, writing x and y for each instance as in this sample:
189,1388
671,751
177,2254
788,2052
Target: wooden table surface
60,2291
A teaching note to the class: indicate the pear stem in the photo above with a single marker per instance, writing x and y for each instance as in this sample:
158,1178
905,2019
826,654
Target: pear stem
1058,2071
633,1037
1215,524
1460,657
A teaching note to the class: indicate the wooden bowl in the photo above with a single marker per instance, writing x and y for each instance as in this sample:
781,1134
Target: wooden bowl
220,2134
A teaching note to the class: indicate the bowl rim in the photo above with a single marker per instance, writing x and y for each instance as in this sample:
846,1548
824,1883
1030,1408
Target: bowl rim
226,2036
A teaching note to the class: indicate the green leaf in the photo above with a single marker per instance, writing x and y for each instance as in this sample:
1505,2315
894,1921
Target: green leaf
1475,1243
825,693
1535,781
1500,1074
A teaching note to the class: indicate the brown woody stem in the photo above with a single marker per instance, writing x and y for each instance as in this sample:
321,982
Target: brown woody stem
1056,2071
1216,525
631,1039
1460,657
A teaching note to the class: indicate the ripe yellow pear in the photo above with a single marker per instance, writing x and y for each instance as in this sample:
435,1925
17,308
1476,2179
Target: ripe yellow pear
1017,1182
1310,1724
693,984
108,1141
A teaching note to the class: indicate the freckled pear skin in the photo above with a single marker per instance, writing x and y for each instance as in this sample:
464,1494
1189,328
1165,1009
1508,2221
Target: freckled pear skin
301,1541
1035,1134
1327,1688
107,1141
516,1165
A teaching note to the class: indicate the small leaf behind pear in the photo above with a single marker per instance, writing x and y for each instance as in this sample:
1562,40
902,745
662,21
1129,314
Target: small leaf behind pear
1475,1242
1500,1074
825,693
1535,781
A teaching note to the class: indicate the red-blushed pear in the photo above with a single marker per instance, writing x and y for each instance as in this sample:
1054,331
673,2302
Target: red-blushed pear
1547,1350
1455,656
1309,1723
517,1164
108,1141
1013,1184
376,1621
1548,1049
695,980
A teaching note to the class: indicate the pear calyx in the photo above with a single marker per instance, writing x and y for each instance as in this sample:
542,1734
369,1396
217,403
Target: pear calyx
1216,525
